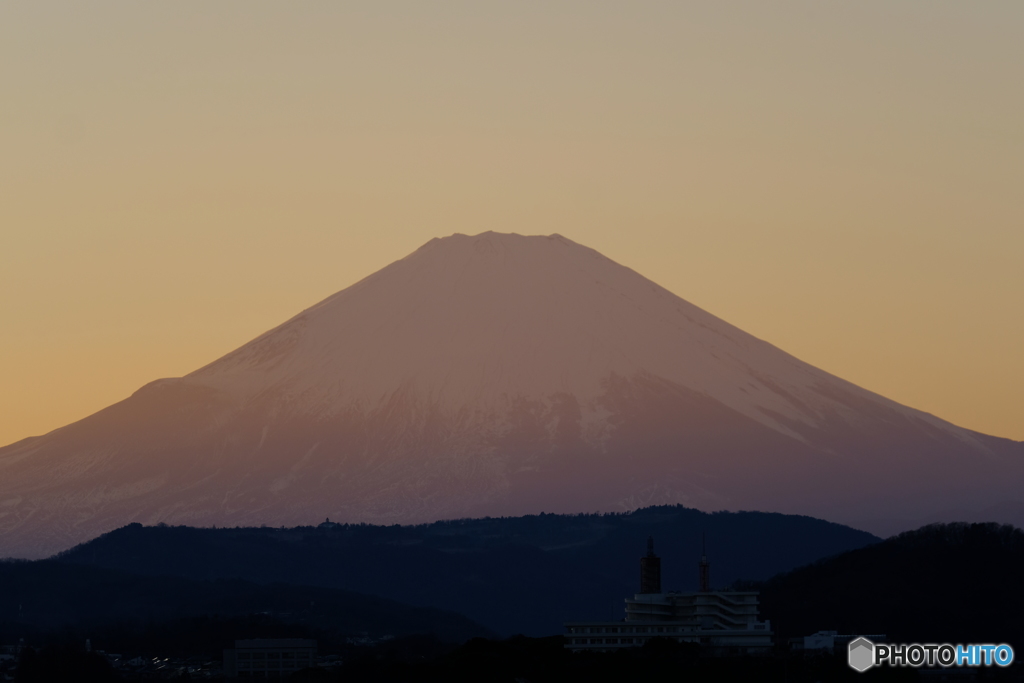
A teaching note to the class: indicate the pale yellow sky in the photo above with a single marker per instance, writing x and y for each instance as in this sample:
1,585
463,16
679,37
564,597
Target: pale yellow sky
843,180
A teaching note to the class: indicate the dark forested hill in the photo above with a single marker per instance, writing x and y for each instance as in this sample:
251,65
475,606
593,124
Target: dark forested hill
56,597
941,583
515,574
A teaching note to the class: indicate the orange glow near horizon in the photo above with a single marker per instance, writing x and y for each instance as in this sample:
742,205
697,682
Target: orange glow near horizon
842,181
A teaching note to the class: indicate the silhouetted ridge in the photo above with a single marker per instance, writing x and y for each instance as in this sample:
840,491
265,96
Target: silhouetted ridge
48,596
941,583
514,574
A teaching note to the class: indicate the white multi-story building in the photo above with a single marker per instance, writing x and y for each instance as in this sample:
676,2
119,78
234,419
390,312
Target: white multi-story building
723,621
269,657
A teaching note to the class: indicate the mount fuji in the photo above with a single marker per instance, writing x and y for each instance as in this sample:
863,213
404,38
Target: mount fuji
499,374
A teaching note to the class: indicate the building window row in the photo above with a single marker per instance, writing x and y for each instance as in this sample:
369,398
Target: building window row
618,641
626,629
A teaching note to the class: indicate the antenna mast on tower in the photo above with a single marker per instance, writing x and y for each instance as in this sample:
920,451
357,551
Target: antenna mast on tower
705,567
650,570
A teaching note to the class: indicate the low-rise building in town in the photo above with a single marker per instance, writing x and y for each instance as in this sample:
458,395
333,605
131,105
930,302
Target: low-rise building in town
830,641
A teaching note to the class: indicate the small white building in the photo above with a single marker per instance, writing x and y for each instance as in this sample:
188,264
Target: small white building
828,640
822,640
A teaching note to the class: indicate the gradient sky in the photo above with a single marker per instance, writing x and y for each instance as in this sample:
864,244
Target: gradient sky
844,180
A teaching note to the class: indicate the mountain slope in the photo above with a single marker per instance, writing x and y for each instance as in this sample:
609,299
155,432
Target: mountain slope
891,588
496,374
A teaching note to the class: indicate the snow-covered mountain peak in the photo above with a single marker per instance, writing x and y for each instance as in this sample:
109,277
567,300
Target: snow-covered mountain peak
495,374
482,319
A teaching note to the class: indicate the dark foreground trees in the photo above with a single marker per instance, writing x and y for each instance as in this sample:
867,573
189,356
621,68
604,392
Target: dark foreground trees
62,665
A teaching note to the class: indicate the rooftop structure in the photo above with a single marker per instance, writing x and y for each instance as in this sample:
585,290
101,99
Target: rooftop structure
650,570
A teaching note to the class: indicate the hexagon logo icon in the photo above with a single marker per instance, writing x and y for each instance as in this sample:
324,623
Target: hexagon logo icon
861,654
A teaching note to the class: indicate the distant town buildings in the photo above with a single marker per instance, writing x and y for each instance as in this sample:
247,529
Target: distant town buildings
724,621
12,651
268,657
